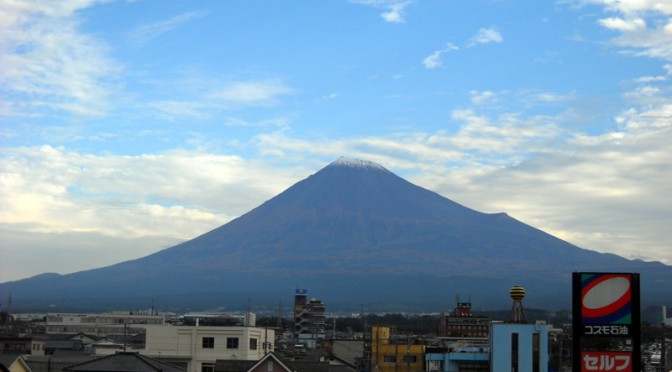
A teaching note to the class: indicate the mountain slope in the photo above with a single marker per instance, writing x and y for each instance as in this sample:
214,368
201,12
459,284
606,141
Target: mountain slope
355,233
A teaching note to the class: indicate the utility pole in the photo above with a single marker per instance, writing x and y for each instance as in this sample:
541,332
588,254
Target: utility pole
396,349
408,353
280,316
247,313
125,335
9,311
663,347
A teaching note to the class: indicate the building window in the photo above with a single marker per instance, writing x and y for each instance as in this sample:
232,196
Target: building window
514,352
536,357
269,366
208,342
253,344
390,358
207,367
410,359
232,342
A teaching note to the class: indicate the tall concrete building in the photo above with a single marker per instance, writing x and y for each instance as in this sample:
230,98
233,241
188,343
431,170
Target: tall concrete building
309,319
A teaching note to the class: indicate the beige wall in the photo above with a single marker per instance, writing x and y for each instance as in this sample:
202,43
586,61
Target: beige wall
186,343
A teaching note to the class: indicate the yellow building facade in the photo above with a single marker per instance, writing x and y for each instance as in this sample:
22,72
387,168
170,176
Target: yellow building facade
388,354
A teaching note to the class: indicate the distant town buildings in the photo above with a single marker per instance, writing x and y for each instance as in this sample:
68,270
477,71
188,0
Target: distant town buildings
116,323
462,324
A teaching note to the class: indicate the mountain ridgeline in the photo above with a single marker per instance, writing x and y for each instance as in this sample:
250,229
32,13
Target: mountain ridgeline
354,234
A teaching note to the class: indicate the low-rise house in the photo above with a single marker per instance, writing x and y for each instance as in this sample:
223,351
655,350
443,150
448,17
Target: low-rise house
13,363
105,346
54,363
37,345
272,362
63,347
123,362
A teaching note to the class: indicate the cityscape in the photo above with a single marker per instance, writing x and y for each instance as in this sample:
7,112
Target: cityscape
312,339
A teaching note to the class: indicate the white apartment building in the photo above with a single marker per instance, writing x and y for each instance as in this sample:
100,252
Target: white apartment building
196,348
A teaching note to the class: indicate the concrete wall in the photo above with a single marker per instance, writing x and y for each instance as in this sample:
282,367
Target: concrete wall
500,341
186,343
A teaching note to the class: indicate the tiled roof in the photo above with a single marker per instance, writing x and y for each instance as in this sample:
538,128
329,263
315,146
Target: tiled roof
124,362
229,365
305,365
6,361
63,344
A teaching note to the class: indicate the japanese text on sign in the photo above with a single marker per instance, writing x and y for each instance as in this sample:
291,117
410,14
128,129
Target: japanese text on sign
606,361
608,330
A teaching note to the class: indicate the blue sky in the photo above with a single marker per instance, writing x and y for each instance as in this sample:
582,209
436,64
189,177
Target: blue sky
129,126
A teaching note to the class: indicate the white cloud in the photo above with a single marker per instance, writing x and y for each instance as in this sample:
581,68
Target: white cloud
634,6
210,97
393,9
645,26
58,188
668,69
620,24
433,60
604,192
394,13
46,58
479,98
327,97
145,33
485,36
650,79
645,95
250,92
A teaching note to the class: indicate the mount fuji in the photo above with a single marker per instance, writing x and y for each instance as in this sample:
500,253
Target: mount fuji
354,234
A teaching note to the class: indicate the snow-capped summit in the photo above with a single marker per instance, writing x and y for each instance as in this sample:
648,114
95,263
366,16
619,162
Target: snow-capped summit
357,163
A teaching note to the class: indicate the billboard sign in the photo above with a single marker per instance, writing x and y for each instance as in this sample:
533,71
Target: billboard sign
606,304
606,318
